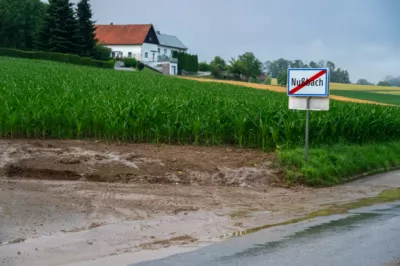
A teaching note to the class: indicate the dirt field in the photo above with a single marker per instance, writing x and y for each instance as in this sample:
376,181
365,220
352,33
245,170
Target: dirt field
93,203
278,89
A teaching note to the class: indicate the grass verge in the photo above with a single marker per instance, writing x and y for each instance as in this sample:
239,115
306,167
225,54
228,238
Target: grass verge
369,96
332,165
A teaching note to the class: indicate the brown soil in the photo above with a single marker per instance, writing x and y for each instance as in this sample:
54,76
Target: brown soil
137,163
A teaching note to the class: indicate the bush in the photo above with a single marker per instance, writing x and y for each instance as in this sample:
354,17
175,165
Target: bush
130,62
101,53
268,80
140,66
253,80
204,66
65,58
216,72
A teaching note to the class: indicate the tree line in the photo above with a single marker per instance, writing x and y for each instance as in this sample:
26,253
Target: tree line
57,26
248,67
387,81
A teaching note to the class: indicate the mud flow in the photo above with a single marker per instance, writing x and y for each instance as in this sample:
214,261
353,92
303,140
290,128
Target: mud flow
141,164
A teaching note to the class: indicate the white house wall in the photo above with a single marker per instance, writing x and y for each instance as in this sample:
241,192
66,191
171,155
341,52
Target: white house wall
149,49
136,50
173,69
164,50
139,52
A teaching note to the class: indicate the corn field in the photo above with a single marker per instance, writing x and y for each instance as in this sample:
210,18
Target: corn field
41,99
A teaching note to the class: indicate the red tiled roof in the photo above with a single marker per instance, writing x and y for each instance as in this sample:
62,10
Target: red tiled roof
122,34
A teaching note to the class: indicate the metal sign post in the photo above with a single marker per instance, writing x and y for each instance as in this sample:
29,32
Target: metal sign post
308,89
307,128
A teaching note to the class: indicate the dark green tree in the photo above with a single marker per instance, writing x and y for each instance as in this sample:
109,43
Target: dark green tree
314,65
186,62
274,68
282,79
60,29
298,64
383,83
364,82
48,23
237,68
19,22
339,76
219,62
331,66
253,66
87,30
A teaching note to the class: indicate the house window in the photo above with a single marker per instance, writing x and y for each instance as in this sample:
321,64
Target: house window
159,50
146,55
165,51
130,54
113,54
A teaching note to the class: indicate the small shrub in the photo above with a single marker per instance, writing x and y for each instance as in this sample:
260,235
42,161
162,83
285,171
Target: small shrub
140,66
268,80
130,62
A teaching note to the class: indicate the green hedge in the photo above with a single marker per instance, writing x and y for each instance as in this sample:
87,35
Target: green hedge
66,58
130,62
187,62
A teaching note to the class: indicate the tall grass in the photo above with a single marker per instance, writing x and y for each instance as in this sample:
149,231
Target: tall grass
55,100
335,164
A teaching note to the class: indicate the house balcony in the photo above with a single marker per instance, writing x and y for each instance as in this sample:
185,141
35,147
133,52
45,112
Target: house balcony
164,58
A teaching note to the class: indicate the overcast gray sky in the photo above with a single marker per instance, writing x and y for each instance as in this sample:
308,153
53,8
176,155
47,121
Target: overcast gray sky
362,36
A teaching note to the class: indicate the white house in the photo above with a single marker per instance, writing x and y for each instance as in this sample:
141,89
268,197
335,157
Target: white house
168,44
142,42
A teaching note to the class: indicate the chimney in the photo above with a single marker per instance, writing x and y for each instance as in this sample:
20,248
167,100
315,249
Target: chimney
111,23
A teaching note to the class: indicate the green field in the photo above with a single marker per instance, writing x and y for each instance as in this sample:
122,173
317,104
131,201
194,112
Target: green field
55,100
390,97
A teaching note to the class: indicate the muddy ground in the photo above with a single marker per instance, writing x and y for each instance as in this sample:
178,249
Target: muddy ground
95,203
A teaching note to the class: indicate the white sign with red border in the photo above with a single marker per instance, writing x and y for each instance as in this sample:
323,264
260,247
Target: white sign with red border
308,82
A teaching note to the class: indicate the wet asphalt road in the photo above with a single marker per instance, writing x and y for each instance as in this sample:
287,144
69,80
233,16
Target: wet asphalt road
366,237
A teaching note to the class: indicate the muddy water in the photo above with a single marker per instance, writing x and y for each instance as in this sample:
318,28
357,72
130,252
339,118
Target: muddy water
365,237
